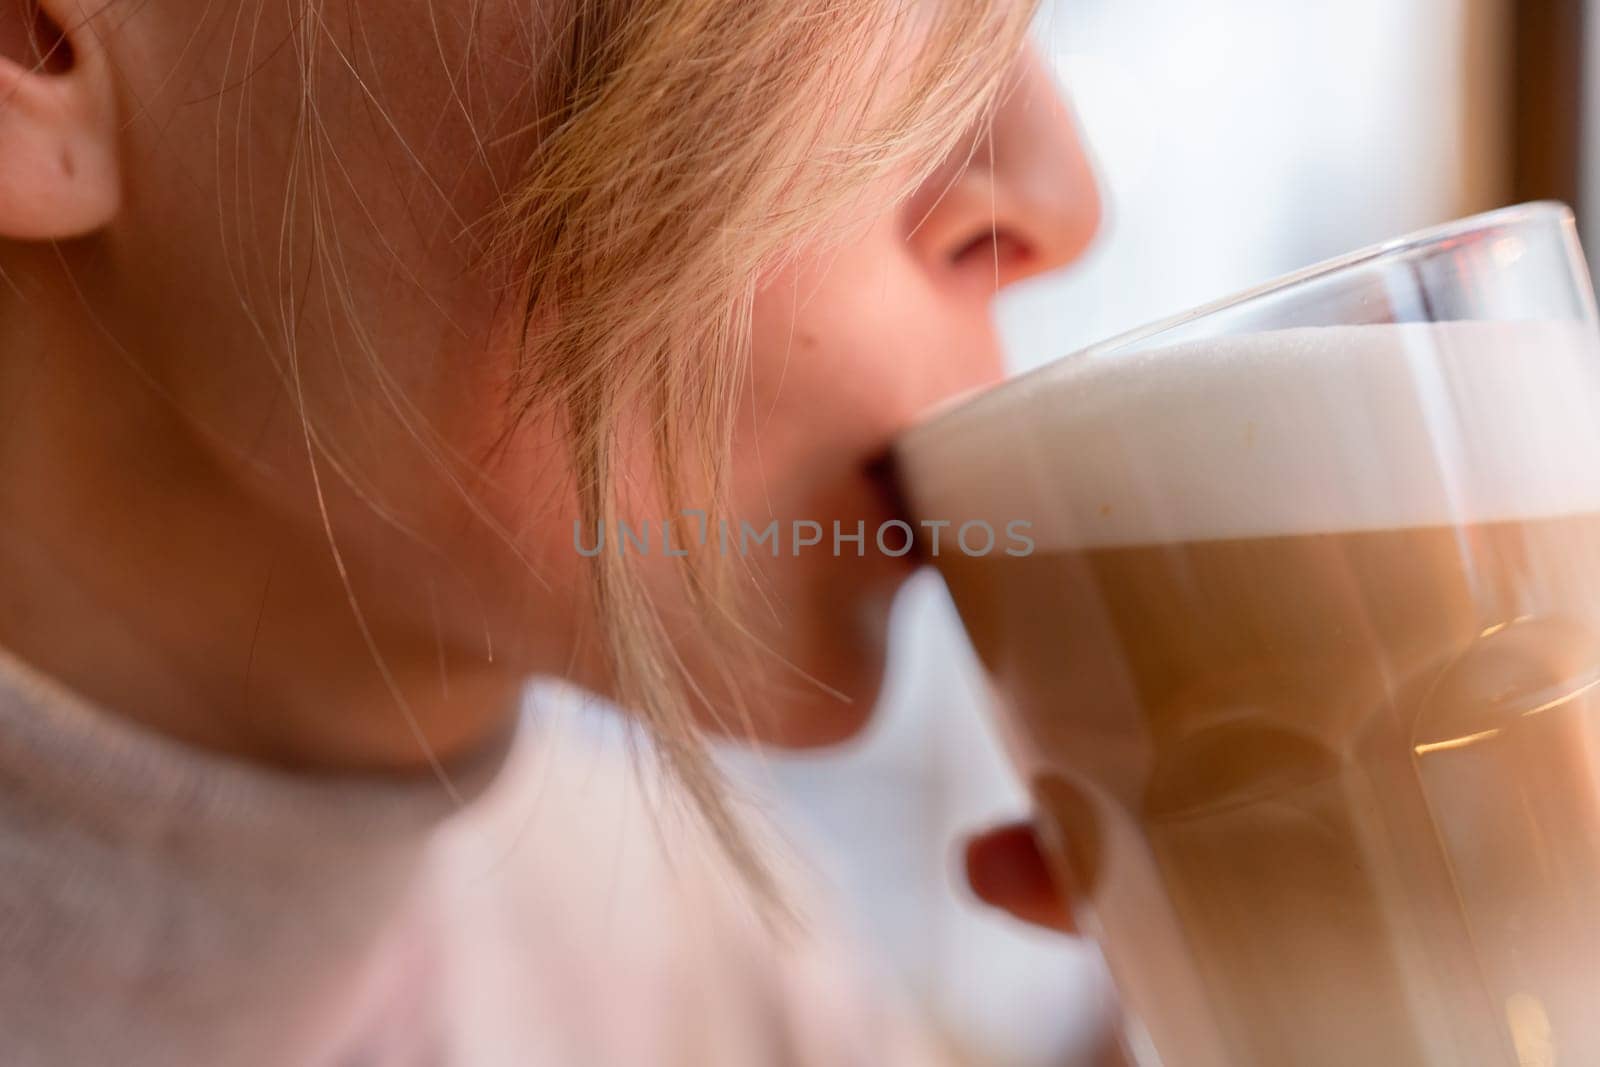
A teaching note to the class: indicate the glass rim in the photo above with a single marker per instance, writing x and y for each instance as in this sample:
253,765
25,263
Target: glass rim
1393,248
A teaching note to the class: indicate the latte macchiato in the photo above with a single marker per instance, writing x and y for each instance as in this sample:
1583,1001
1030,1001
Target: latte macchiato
1305,675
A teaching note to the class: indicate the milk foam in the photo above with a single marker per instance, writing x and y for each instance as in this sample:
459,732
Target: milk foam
1317,429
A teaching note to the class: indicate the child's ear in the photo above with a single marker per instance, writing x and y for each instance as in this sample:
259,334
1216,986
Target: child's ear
59,169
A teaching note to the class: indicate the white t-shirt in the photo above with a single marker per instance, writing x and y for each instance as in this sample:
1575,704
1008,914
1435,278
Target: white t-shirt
161,905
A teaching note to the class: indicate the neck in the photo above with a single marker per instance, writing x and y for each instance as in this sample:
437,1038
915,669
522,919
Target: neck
140,566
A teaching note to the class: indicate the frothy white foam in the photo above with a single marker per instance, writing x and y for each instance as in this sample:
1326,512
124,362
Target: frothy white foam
1319,429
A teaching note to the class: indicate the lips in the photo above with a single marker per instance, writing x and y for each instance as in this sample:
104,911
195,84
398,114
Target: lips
879,472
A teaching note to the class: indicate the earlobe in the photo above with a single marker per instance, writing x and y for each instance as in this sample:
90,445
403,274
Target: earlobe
59,168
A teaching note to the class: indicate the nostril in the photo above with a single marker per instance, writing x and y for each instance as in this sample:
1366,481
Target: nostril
992,246
971,246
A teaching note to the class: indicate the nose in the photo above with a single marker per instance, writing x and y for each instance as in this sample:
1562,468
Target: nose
1018,195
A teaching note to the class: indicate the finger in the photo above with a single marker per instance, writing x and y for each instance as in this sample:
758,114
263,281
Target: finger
1007,870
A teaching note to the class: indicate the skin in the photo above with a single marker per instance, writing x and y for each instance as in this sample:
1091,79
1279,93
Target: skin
167,548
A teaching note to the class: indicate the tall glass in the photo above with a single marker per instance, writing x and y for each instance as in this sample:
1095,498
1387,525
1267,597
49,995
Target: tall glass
1302,664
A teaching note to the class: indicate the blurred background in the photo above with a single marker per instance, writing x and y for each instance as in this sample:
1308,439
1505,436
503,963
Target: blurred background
1236,140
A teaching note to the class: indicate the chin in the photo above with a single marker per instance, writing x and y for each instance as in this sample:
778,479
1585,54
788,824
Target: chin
826,698
823,626
808,716
840,650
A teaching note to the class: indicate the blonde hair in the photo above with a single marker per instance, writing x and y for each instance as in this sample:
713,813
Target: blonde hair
681,149
690,145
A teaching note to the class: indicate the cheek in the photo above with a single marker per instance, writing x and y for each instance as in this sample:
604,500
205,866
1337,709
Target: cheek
849,353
